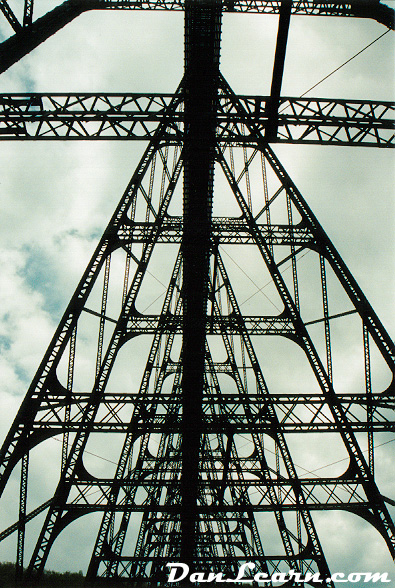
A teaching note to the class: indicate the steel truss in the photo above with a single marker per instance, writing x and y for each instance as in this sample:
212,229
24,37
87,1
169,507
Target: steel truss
29,34
203,438
136,117
355,8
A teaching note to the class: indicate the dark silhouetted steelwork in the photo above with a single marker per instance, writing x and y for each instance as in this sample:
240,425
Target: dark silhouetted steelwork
204,451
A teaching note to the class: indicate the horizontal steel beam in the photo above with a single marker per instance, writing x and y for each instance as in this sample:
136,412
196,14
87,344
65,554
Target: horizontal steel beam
238,427
383,400
93,494
255,325
346,8
136,117
221,425
32,34
224,230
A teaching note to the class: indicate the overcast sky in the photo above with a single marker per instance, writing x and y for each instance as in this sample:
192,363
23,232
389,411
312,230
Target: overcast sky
56,199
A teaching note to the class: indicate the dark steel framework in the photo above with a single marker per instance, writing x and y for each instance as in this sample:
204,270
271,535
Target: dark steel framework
137,116
205,437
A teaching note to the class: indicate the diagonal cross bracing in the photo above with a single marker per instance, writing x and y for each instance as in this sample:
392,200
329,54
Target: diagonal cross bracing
135,117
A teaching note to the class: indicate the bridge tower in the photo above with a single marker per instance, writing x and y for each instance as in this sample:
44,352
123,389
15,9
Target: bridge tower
204,426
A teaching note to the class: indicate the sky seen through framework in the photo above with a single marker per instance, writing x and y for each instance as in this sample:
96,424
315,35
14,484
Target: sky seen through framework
56,201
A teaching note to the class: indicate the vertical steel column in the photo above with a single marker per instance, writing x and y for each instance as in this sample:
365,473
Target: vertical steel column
278,70
202,44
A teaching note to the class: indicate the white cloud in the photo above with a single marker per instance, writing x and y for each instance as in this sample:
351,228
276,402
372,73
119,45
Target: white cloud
22,313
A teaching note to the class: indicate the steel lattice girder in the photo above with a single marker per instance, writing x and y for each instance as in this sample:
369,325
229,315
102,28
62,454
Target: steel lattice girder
356,8
31,34
297,413
136,117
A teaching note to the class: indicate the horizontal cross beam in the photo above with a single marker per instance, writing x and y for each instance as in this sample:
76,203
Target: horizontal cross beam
136,117
384,400
255,325
313,419
224,230
32,34
160,426
354,8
